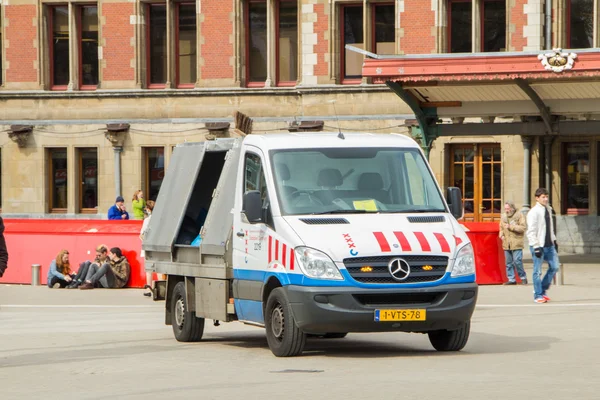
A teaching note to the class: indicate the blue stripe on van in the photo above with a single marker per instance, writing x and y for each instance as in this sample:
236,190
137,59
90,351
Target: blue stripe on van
249,310
301,280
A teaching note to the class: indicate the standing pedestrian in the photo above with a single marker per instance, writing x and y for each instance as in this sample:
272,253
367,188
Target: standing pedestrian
543,246
512,232
145,225
3,251
138,204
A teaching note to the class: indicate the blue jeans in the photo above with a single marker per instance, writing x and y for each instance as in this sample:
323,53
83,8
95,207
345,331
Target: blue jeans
541,285
514,259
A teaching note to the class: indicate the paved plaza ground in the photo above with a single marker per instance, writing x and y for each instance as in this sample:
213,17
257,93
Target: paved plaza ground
113,344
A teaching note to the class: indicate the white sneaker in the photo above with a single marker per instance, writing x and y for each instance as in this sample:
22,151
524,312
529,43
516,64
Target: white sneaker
56,286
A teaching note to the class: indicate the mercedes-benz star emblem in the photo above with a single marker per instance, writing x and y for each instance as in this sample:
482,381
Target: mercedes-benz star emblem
399,269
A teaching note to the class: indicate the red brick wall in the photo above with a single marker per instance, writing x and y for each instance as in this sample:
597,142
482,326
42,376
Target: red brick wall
322,46
117,33
216,30
20,33
417,21
519,20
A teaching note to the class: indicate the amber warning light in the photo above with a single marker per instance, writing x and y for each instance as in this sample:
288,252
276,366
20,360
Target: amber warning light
366,268
427,267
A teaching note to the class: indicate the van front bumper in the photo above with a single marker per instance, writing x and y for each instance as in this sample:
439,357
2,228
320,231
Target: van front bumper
320,310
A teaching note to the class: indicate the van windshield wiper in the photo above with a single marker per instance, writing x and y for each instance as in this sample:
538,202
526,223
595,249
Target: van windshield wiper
344,212
416,211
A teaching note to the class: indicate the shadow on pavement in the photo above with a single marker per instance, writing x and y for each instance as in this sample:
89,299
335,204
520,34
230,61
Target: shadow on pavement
479,343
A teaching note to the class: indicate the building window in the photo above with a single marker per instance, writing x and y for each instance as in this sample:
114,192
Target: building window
275,37
384,29
154,163
287,43
59,47
493,26
352,34
580,24
157,45
256,69
186,45
88,47
88,174
57,182
576,169
490,27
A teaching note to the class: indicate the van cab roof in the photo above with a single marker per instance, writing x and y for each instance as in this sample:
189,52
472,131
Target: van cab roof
303,140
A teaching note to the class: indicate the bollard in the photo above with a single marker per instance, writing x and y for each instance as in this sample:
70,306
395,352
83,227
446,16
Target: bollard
559,278
35,274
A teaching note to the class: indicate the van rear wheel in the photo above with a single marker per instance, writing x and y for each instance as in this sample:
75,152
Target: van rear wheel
450,340
186,326
284,337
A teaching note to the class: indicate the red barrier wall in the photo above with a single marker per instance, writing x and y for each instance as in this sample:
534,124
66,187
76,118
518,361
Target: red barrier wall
38,241
489,255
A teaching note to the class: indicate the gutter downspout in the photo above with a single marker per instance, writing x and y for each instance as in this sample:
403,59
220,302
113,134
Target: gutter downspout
527,142
548,36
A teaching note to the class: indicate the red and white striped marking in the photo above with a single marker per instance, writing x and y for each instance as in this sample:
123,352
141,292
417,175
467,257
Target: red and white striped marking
416,241
281,253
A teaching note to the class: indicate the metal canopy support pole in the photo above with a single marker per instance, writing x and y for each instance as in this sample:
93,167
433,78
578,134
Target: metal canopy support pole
427,118
539,103
527,142
548,164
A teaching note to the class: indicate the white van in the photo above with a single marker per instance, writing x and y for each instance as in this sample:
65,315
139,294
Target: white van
312,234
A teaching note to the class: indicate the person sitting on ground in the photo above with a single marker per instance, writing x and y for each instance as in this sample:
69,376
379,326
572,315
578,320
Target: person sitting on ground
59,274
145,225
138,204
113,274
118,211
84,267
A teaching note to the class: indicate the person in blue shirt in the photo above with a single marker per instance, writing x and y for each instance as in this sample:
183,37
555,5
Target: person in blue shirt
118,211
59,274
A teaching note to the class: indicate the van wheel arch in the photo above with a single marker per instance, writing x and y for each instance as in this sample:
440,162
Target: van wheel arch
272,284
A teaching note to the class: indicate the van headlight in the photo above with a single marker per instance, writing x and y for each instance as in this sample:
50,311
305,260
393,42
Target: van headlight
316,264
464,264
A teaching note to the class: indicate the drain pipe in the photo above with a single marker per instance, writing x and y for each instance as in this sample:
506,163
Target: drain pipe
548,38
116,133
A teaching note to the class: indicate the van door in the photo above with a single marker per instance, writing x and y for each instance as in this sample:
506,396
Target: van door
250,251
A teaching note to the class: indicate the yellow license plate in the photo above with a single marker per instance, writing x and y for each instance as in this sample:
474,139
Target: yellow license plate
400,315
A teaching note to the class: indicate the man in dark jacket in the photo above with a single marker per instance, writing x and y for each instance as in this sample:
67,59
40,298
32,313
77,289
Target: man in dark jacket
3,251
113,274
118,211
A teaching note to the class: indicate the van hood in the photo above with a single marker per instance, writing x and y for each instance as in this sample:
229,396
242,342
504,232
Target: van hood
368,235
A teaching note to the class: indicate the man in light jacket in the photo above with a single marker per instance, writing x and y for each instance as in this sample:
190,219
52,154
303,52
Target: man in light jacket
542,242
512,233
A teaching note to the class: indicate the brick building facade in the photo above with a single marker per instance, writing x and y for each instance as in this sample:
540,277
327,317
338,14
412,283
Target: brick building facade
166,69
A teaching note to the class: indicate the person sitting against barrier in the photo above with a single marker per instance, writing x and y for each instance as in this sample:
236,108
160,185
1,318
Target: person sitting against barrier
59,274
118,211
84,267
113,274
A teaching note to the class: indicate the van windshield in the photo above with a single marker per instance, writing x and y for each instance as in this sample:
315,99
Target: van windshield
354,180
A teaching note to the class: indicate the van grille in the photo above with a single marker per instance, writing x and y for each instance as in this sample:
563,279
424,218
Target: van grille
399,299
427,220
381,274
324,221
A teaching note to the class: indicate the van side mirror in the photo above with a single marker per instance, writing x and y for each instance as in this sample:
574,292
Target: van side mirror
454,199
252,206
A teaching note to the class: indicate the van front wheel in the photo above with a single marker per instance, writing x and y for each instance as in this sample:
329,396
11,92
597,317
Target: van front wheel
450,340
186,326
283,335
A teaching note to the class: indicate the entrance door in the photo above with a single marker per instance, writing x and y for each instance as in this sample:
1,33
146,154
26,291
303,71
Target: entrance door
477,170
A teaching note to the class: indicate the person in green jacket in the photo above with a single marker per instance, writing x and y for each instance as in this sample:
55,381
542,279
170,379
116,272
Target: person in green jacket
138,205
